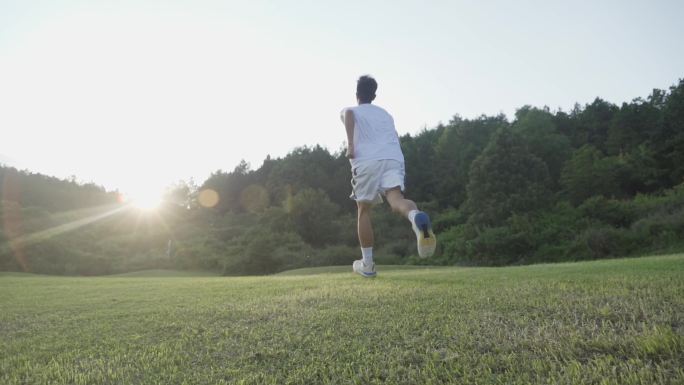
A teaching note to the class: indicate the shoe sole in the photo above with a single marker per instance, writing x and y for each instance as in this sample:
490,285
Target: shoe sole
364,274
426,240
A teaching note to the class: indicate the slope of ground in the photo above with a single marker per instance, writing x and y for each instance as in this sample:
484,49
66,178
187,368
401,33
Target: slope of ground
348,268
618,321
165,273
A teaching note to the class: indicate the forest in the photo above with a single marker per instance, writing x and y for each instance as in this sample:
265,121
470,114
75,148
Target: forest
598,181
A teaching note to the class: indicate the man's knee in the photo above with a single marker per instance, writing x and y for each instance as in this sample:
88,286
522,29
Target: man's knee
364,208
395,198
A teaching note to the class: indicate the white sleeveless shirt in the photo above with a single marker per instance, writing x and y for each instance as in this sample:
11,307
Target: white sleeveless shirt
375,137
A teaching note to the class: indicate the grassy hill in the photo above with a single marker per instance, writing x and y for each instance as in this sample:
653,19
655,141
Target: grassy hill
165,273
347,269
618,321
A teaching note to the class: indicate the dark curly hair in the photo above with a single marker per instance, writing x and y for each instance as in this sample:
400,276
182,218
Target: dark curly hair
365,89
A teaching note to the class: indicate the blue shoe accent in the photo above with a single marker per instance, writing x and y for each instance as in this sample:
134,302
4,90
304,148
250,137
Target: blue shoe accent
426,241
422,222
363,270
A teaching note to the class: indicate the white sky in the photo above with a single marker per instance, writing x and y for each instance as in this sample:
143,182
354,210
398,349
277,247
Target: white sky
137,94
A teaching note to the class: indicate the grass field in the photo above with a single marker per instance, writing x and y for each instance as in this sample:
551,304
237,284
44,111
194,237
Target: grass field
603,322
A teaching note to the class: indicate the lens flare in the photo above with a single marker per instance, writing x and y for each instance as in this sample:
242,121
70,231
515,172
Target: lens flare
145,200
208,198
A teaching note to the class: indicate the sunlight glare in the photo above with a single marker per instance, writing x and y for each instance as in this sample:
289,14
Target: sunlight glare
145,200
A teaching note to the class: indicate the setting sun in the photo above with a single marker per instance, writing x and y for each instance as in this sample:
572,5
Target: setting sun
145,200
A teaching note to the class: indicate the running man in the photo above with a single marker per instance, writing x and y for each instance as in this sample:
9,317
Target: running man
377,165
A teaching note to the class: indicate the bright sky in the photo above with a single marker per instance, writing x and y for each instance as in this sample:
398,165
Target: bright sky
135,94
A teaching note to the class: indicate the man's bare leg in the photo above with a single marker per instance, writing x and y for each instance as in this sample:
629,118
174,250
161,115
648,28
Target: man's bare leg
365,265
365,228
399,204
420,222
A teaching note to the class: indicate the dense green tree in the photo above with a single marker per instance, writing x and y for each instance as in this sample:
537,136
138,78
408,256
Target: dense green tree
182,194
314,216
631,125
506,179
589,173
229,187
50,193
419,155
566,123
264,252
670,141
593,123
457,147
538,129
643,174
312,167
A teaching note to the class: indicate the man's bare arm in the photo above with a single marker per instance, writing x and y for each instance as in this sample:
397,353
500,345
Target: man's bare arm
349,126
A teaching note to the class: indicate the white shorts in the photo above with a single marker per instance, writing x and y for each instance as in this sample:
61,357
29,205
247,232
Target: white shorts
372,178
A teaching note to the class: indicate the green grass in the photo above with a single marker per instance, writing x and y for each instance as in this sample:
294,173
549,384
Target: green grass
347,269
166,273
603,322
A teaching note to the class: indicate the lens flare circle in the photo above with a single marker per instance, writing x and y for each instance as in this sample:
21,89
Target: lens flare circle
208,198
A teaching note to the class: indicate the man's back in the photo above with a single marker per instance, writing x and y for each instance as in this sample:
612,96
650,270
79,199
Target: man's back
375,137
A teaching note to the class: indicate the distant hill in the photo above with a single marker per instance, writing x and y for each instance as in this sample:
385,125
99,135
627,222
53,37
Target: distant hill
164,273
30,189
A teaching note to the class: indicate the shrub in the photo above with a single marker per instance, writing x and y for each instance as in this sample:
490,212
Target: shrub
263,252
313,216
396,251
501,245
449,218
609,211
661,229
336,255
603,242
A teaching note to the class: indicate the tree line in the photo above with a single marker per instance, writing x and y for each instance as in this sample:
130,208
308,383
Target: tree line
598,181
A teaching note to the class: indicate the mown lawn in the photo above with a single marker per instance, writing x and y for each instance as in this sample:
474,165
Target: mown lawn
616,321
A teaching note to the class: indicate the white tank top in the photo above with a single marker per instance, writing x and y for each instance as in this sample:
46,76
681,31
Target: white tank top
375,137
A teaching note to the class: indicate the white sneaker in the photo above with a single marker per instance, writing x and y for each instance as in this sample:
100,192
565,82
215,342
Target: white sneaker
426,240
365,271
